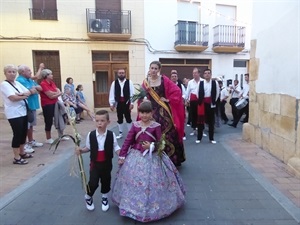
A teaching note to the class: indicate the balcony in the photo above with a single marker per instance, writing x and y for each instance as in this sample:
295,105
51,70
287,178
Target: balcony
228,39
43,14
108,25
191,37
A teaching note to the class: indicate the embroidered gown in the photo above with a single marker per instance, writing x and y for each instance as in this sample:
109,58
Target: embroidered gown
174,146
147,187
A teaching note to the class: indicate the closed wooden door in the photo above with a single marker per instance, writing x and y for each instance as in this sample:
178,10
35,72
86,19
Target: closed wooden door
104,76
102,80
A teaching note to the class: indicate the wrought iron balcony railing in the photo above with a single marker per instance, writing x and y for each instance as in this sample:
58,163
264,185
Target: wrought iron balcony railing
191,33
43,14
231,36
107,21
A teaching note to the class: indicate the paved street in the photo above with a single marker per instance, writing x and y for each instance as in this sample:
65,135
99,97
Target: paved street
230,183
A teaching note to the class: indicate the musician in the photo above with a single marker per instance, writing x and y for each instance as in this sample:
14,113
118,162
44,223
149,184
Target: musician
245,95
235,92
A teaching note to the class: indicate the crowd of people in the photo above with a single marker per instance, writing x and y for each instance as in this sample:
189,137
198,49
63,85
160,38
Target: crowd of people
23,93
148,185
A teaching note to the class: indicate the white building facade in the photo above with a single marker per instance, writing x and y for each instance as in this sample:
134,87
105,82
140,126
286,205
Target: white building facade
185,34
89,40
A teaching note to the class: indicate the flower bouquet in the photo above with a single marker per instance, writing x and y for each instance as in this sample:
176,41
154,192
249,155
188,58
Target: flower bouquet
160,145
140,93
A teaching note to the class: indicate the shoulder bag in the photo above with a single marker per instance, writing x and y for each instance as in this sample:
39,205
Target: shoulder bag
30,115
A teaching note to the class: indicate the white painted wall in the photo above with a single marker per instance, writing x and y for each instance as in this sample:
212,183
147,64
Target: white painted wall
160,17
277,31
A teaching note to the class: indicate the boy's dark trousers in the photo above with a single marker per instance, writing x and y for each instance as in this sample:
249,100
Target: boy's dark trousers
100,171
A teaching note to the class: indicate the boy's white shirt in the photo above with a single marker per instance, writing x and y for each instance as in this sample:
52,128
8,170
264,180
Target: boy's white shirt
101,140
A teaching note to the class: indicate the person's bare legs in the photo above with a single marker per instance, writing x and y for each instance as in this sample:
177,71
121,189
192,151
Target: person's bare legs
84,107
17,152
21,149
30,134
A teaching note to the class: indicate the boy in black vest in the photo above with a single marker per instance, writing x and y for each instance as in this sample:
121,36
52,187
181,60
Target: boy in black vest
101,143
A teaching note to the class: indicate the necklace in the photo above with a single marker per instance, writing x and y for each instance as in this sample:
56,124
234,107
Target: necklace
154,82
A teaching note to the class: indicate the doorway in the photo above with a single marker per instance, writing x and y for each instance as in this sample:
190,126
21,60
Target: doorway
105,74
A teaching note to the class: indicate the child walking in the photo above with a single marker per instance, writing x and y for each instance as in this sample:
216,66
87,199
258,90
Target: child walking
101,143
148,186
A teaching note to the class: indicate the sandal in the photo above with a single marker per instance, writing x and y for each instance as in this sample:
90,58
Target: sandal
26,156
20,161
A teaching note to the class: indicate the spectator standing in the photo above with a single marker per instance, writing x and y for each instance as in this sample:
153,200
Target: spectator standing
15,97
49,98
26,80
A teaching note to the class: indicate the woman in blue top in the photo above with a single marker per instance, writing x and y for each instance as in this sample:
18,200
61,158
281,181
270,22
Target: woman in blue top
70,85
81,101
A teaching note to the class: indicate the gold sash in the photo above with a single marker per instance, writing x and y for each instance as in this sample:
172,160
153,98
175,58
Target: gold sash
156,97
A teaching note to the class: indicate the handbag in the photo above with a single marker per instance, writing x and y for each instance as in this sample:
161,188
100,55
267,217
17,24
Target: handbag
30,115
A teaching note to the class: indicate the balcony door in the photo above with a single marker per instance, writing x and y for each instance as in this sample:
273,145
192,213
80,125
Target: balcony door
110,11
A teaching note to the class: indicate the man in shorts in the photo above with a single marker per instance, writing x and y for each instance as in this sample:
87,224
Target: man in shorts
27,81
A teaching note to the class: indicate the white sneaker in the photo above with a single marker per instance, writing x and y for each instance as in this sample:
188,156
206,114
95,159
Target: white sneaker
105,205
49,141
192,134
28,149
204,135
184,138
35,144
188,125
213,142
119,136
197,141
89,204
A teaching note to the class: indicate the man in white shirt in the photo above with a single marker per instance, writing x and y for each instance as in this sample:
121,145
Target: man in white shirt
121,91
235,92
245,95
191,96
208,94
223,100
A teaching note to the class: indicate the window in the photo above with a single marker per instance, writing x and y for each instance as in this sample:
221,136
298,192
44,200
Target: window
43,10
187,32
239,63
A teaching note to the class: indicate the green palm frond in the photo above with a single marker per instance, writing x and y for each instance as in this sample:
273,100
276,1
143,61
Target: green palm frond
76,138
58,140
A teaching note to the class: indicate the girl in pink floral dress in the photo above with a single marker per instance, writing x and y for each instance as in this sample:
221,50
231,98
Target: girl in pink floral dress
148,186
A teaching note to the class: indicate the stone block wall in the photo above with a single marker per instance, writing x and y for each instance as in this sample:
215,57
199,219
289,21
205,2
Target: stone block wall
274,121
